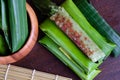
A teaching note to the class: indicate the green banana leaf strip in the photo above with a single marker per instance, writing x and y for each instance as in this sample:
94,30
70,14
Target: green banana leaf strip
75,13
96,20
3,46
4,26
18,23
53,32
0,17
54,48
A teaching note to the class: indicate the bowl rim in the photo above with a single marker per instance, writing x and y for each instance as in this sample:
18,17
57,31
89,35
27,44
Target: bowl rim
25,50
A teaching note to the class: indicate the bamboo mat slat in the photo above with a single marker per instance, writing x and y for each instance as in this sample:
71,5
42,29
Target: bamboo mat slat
19,73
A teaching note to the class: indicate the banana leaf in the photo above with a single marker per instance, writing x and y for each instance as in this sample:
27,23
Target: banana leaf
0,17
53,32
54,48
3,46
18,23
77,15
4,18
77,34
99,23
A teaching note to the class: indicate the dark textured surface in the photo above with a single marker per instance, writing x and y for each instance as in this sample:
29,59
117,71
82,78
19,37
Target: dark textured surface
41,59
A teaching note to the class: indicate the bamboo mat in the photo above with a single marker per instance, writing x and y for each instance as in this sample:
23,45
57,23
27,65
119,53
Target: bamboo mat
10,72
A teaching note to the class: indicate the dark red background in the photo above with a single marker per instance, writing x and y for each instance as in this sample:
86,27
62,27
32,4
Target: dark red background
41,59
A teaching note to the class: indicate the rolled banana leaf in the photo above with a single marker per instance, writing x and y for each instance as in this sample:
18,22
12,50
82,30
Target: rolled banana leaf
99,23
54,48
77,15
72,29
53,32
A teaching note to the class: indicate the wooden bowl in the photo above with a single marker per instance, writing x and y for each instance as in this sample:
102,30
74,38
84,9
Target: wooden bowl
29,43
